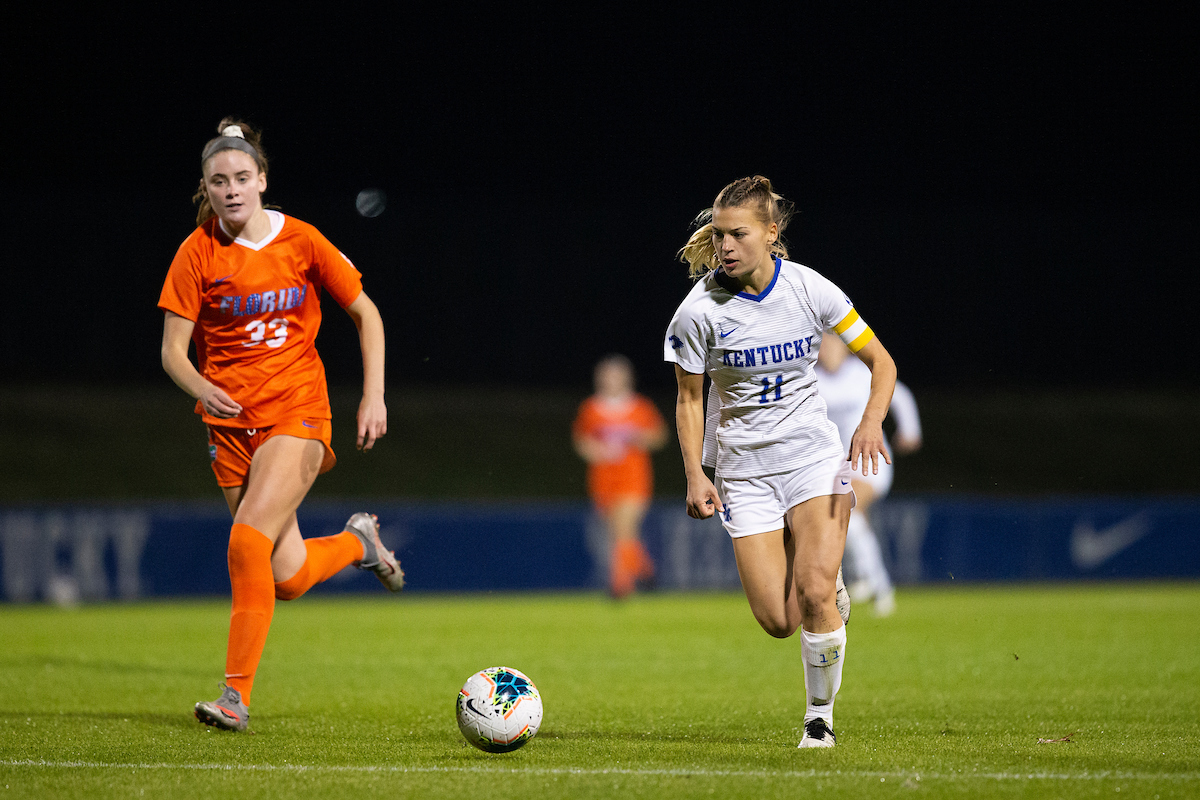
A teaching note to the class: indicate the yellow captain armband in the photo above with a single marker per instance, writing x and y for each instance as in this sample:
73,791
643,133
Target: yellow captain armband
853,331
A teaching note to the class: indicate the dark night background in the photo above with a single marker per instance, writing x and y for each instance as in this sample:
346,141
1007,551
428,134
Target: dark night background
1006,193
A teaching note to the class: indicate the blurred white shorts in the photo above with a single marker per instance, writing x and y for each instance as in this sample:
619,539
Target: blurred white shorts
881,483
758,505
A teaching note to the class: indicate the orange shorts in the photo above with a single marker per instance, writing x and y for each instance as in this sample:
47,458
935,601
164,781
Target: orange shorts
608,488
606,502
232,449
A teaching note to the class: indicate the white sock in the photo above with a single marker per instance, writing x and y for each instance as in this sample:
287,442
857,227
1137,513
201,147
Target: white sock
823,655
866,555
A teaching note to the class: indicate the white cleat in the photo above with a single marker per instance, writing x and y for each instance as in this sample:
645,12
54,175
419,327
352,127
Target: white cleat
885,604
817,734
843,599
376,557
861,591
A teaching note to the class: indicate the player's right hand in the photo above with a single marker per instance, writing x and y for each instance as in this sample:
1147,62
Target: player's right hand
702,499
218,404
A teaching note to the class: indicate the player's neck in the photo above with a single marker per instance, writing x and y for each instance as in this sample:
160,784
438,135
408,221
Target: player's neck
255,229
615,399
757,281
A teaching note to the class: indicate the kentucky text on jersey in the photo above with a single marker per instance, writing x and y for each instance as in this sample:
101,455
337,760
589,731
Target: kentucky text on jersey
260,303
788,351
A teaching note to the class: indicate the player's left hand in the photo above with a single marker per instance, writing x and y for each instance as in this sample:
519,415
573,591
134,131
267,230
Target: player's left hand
868,444
372,421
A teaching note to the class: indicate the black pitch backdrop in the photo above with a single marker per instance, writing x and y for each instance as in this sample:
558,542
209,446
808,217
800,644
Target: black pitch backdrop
1004,193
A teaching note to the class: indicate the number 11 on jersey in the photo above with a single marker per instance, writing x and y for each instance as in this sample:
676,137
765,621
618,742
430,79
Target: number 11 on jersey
762,398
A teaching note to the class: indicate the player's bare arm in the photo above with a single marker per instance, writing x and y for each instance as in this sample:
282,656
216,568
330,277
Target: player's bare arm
868,442
653,439
702,499
177,334
372,411
593,450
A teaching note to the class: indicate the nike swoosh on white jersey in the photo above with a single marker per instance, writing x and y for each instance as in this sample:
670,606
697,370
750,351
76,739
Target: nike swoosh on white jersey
1091,548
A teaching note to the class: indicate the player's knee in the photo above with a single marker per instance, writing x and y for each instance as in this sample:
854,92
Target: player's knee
815,581
816,591
811,606
286,593
775,624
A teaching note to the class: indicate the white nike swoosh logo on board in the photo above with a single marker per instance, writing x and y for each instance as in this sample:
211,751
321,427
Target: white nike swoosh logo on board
1090,548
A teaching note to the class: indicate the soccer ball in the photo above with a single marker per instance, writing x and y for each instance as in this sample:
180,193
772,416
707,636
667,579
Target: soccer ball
499,709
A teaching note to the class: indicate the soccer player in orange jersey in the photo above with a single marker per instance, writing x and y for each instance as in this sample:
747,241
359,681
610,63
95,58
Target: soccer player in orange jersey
614,433
245,286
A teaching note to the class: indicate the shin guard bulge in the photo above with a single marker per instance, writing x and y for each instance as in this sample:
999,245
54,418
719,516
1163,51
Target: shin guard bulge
823,656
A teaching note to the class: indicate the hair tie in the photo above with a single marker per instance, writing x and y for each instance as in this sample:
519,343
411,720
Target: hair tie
233,130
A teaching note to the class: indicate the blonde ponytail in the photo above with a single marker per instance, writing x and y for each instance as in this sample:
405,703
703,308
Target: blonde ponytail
700,254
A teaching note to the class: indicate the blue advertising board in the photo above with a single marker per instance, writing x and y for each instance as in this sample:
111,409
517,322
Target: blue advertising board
71,553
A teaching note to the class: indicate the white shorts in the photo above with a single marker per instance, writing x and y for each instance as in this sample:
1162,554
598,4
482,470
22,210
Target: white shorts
880,483
759,505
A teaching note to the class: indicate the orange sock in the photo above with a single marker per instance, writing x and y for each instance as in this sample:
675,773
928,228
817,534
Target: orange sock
253,605
645,564
630,563
623,568
633,558
327,556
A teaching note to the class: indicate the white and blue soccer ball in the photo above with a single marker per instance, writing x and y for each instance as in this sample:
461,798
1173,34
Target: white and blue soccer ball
499,709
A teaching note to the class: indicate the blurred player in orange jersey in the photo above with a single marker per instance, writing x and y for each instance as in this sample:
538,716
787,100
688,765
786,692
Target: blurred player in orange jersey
614,432
245,286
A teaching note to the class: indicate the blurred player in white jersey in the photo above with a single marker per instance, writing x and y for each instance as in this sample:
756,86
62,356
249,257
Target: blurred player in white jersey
845,385
753,323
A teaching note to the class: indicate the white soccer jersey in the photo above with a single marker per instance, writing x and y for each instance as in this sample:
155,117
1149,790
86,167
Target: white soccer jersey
846,392
759,352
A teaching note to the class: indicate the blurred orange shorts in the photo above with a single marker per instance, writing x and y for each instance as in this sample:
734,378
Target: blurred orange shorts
629,480
231,449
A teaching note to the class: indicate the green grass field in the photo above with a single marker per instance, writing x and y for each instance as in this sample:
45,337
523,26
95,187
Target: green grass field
664,696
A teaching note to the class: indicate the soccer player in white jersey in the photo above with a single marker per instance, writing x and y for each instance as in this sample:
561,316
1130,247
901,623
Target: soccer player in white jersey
845,384
753,323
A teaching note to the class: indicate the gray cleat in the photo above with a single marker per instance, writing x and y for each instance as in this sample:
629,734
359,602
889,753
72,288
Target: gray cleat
376,557
843,599
227,712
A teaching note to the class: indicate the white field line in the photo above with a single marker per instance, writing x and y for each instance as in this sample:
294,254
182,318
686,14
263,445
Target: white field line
916,775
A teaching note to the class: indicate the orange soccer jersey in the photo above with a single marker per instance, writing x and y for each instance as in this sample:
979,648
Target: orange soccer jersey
617,424
257,309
